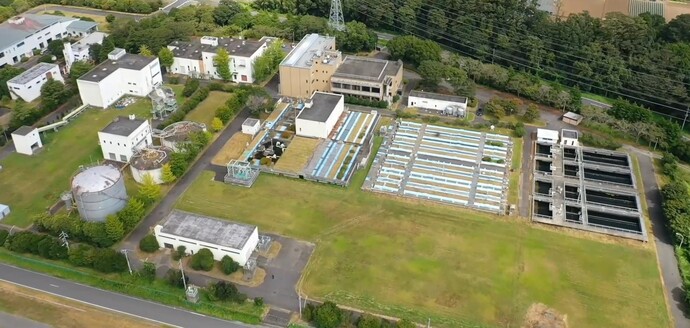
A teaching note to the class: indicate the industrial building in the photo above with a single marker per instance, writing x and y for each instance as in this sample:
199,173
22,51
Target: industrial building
79,51
123,136
176,135
122,74
149,161
443,104
27,140
585,188
99,191
27,85
195,232
251,126
309,66
319,115
196,58
547,136
21,35
368,78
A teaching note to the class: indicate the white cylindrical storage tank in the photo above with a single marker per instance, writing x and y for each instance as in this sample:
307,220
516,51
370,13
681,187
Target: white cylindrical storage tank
150,161
176,134
99,191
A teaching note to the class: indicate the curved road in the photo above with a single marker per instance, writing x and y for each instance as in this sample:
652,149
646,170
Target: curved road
139,308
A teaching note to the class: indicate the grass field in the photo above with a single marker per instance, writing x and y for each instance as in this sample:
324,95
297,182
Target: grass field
514,182
30,184
60,312
297,154
206,110
232,149
458,267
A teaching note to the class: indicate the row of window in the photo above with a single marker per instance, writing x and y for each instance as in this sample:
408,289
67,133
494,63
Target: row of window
355,87
202,245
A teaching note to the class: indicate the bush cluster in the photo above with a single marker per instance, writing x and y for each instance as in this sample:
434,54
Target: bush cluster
190,87
365,102
591,140
130,6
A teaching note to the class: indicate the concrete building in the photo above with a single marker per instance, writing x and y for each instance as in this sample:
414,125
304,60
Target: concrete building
368,78
572,118
22,35
79,51
27,85
122,74
4,211
251,126
319,115
447,104
123,136
547,136
196,58
27,140
195,232
569,138
309,66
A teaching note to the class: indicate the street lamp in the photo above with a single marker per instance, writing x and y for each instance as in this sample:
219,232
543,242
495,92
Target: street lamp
682,239
129,266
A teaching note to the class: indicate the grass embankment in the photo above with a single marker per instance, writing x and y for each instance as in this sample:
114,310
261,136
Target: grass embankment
31,184
514,182
458,267
157,291
206,110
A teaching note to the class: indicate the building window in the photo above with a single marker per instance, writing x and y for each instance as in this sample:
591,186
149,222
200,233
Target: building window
375,90
29,87
2,54
366,89
112,155
20,44
123,158
337,85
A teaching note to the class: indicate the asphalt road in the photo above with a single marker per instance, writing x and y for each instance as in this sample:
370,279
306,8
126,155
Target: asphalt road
112,301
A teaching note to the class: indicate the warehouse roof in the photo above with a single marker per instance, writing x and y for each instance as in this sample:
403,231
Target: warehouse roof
123,126
355,67
127,61
82,26
206,229
19,28
571,134
322,106
235,47
438,96
250,122
32,73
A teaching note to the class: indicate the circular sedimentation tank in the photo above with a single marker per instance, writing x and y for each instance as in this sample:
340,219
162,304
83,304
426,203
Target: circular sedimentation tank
150,161
99,191
176,134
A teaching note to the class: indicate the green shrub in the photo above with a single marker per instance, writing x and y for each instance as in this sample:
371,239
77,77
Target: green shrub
149,244
190,87
3,236
228,265
328,315
599,142
259,301
148,272
202,260
174,278
179,253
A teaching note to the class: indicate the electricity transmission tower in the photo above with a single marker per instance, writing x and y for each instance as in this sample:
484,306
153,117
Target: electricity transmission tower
335,19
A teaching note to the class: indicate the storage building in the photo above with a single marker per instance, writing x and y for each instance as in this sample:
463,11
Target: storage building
547,136
319,115
572,118
27,85
251,126
445,104
27,140
122,136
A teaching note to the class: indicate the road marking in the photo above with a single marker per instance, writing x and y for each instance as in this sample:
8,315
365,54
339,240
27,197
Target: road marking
56,286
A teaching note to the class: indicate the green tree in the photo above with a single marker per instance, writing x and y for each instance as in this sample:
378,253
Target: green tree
96,234
149,244
132,213
216,124
113,228
532,114
190,86
414,50
405,323
95,52
328,315
228,265
3,236
148,272
174,278
166,174
179,163
108,260
81,255
224,291
259,301
53,94
166,57
7,73
222,63
202,260
225,11
179,253
145,51
106,47
519,130
149,191
55,47
356,38
110,18
462,84
268,63
368,321
432,73
78,69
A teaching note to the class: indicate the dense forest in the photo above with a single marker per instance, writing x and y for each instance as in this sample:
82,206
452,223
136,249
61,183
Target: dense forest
643,59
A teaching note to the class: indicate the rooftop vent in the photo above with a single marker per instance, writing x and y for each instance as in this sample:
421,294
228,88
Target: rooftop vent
308,103
209,40
116,54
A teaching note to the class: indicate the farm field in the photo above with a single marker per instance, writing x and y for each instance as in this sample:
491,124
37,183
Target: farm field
60,312
31,184
458,267
206,110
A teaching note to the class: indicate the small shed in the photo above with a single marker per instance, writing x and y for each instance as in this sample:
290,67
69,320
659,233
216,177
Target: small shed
251,126
572,118
4,211
27,140
569,138
547,136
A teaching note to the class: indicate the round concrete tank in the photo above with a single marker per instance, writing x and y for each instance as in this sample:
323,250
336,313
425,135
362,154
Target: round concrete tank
177,134
150,161
99,191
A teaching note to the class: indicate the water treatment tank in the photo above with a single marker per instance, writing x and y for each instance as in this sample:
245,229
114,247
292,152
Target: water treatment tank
99,191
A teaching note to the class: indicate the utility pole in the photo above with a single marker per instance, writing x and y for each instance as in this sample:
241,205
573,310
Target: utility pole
493,53
428,323
63,237
184,281
300,304
686,117
129,266
335,18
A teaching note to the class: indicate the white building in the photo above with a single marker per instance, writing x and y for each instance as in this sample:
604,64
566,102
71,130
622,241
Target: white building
547,136
195,232
251,126
319,115
196,58
27,85
22,35
4,211
569,138
122,136
446,104
122,74
79,51
26,140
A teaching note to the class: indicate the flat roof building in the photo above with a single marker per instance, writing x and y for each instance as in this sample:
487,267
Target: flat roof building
27,85
195,232
79,51
319,115
572,118
368,78
27,140
309,66
123,136
447,104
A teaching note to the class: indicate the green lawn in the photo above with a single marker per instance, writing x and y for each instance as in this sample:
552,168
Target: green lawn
31,184
514,182
206,110
458,267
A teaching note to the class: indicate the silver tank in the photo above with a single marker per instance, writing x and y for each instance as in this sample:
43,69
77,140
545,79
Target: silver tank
98,192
